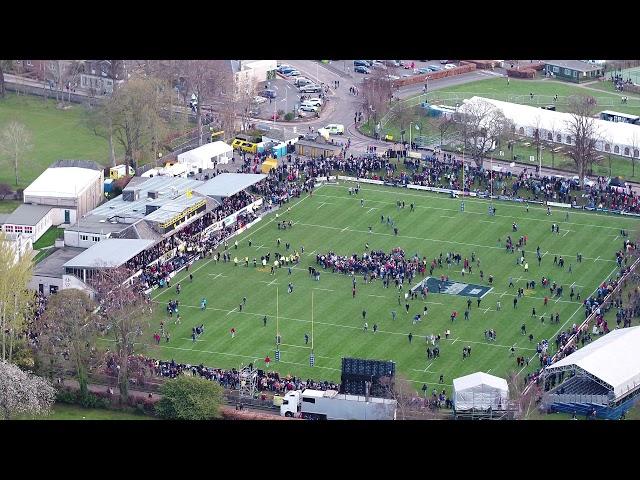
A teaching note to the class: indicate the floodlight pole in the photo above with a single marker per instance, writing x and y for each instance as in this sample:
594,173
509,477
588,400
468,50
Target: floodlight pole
277,319
311,322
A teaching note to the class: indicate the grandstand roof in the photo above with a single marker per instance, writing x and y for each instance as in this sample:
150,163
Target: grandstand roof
228,184
111,252
619,133
614,359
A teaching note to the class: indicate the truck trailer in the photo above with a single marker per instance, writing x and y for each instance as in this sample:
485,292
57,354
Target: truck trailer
331,405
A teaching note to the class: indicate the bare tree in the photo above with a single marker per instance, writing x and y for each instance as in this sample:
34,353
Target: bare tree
550,142
15,142
4,66
69,324
445,124
126,310
376,94
634,141
480,125
583,132
207,80
537,136
525,400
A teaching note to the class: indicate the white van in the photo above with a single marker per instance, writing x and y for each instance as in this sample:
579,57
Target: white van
335,129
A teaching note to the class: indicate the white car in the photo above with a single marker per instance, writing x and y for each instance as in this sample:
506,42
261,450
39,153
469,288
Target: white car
258,99
308,108
449,66
335,129
292,73
314,101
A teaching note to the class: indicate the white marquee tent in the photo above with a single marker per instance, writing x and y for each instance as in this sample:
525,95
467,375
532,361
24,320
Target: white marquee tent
480,391
617,137
207,156
614,359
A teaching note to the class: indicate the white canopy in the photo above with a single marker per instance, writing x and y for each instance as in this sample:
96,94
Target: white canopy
623,135
614,359
480,391
62,182
206,155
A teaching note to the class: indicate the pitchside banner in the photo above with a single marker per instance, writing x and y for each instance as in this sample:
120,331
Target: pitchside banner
453,288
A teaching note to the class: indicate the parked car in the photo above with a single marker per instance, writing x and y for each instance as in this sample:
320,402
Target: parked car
444,62
361,69
258,99
268,93
292,73
434,68
308,108
284,70
300,81
312,88
314,101
424,70
393,77
360,63
335,129
379,65
449,66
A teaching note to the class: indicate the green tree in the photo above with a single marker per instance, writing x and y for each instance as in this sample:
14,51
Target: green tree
16,300
71,328
190,398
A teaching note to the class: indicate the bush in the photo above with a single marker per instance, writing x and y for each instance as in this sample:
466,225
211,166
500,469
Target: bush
93,400
190,398
5,190
289,116
67,396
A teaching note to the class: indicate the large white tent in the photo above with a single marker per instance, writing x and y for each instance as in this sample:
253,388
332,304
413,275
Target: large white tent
614,359
617,137
207,156
480,391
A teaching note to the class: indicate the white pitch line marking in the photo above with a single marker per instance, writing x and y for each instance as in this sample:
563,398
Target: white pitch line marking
486,221
344,229
566,231
377,296
231,311
616,238
596,259
325,289
311,253
428,367
273,282
485,309
455,341
259,247
371,209
216,275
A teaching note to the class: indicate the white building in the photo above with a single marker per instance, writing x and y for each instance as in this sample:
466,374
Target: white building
31,221
207,156
250,72
71,187
615,137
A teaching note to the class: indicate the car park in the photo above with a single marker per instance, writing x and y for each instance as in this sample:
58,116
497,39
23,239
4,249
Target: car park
335,129
361,69
312,88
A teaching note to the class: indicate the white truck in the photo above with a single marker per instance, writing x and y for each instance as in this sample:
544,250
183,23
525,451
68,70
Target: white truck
331,405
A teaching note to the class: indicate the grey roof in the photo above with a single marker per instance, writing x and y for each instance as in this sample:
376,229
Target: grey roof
97,224
578,65
91,165
228,184
170,209
28,214
111,252
3,218
279,134
168,188
53,265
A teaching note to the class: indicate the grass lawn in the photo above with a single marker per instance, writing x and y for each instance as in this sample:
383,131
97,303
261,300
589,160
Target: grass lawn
62,411
8,206
49,238
57,134
332,220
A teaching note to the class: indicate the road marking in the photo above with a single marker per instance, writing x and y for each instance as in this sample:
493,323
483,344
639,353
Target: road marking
216,275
